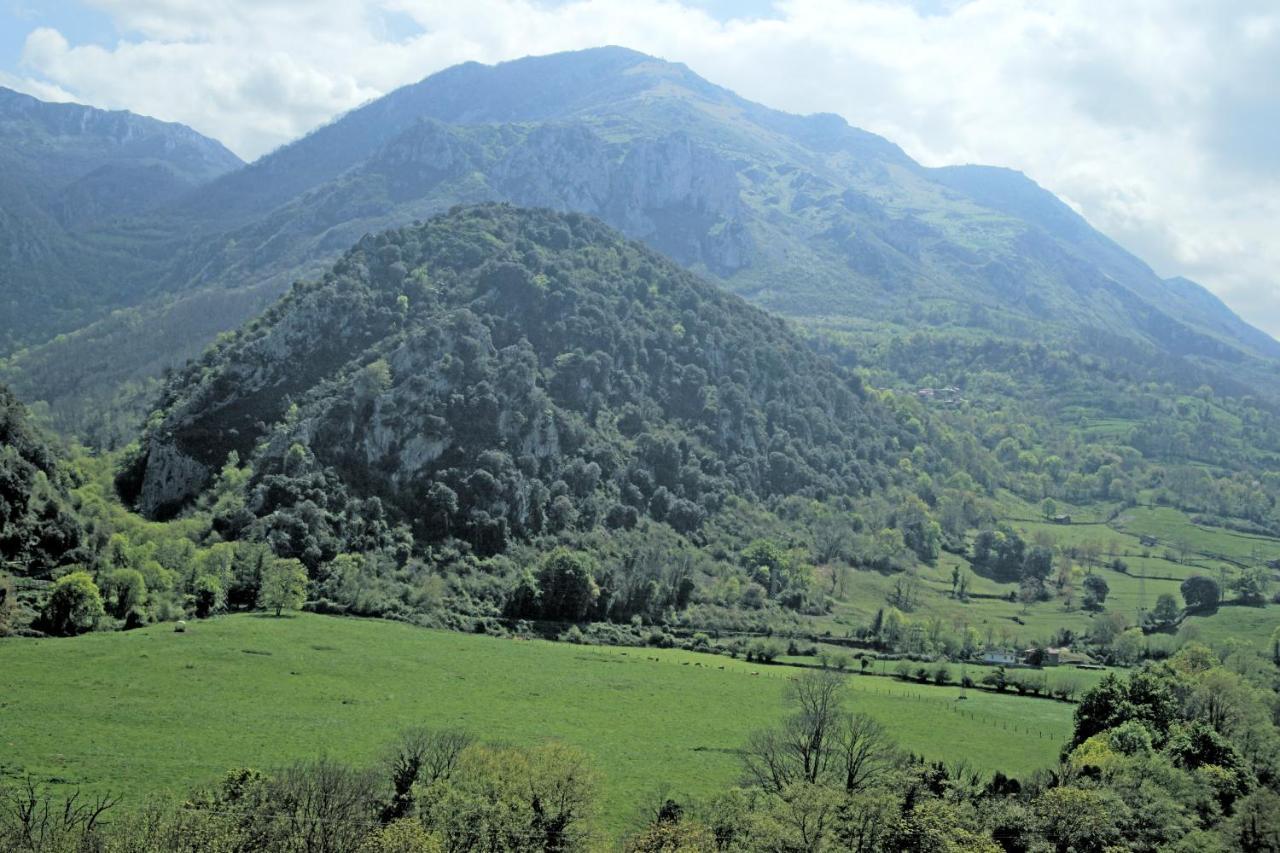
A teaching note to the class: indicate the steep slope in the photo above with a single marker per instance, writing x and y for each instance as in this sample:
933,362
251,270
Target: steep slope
756,196
497,373
806,216
67,168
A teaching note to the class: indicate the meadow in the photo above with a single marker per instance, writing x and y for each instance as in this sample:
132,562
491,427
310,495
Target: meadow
153,711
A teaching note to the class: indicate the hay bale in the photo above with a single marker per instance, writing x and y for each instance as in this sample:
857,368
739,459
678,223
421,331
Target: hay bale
180,627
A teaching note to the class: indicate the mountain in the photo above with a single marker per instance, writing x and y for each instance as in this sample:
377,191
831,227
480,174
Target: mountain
67,169
805,216
498,373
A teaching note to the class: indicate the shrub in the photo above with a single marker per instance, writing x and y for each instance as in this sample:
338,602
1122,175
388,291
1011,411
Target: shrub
74,607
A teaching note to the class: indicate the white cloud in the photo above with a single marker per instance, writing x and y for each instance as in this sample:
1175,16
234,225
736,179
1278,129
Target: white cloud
1159,122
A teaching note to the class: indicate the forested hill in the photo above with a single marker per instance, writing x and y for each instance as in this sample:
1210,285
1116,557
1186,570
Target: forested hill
66,171
497,373
38,528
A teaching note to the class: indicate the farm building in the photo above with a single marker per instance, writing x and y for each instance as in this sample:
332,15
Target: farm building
1002,657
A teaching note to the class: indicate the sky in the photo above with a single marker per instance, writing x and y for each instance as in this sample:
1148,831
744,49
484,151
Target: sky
1158,120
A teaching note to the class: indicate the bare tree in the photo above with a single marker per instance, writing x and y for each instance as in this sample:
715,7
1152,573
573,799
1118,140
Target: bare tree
864,751
819,742
33,818
818,697
322,806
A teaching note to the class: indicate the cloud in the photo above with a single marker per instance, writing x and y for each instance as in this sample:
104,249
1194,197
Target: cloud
1159,122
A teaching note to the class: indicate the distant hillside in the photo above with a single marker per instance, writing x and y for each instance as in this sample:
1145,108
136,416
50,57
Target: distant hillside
806,216
64,169
499,373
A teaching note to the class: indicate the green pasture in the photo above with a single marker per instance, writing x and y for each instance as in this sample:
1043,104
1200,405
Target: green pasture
153,711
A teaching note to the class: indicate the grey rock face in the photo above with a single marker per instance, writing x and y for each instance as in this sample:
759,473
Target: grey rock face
172,477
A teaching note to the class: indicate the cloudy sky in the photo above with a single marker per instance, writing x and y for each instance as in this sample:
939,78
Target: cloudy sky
1159,121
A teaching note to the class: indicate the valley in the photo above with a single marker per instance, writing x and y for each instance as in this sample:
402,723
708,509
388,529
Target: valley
569,454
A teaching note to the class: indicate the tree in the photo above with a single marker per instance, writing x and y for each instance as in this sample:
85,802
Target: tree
1201,593
124,591
1077,820
402,836
567,585
322,806
1166,611
1095,592
673,836
920,532
1252,585
1038,563
8,603
208,596
515,799
767,564
904,592
421,757
1256,825
284,585
819,742
74,606
1148,697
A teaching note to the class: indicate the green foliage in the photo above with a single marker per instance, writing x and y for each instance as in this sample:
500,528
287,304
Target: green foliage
125,593
1200,593
74,605
1252,585
1095,592
283,585
39,530
618,415
515,799
566,587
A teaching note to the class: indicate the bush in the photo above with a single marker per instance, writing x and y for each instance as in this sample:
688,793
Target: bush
941,674
74,607
764,651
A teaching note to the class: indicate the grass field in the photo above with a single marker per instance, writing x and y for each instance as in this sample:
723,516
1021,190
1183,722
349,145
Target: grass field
151,710
1252,626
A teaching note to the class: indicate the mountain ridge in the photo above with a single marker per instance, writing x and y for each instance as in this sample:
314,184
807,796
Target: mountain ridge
805,215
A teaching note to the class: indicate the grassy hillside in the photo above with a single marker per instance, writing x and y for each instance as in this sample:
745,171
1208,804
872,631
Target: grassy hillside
151,711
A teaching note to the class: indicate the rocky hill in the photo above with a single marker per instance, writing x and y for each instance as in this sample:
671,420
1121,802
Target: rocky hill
497,373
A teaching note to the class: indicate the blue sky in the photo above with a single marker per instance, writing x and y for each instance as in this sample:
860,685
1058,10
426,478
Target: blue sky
1162,129
79,22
